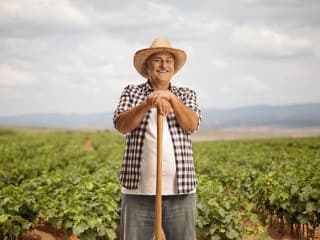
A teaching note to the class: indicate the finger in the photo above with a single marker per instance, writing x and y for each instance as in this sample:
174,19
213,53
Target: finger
152,97
165,107
156,98
167,110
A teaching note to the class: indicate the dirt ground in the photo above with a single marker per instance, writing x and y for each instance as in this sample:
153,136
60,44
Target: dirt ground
252,133
46,232
277,234
88,145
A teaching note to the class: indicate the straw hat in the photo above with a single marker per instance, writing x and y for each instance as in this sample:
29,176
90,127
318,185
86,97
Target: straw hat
158,45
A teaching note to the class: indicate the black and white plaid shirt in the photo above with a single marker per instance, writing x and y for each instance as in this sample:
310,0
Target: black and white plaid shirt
132,96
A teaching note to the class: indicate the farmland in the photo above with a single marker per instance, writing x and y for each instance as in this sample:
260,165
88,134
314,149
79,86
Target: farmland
244,185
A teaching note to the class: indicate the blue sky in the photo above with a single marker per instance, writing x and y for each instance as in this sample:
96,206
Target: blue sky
76,56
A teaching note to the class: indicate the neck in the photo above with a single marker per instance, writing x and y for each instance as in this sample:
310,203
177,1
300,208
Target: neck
156,85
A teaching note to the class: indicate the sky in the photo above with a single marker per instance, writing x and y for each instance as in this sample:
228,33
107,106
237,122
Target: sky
76,56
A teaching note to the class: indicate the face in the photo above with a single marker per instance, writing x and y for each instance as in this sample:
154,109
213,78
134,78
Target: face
160,67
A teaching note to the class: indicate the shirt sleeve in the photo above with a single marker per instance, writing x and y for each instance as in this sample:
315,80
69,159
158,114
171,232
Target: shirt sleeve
192,103
125,103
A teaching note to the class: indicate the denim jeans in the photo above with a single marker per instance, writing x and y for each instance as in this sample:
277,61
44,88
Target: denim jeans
178,217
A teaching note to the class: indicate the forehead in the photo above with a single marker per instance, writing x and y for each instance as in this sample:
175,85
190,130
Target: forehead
162,55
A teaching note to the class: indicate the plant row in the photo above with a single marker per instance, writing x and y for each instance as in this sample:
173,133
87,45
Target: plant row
52,177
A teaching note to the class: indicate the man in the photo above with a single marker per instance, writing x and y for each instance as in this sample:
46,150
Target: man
135,117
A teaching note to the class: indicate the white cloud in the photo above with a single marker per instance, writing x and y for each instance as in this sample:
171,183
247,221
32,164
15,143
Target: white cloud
35,17
244,85
84,50
134,15
37,11
11,77
225,89
219,63
265,41
251,84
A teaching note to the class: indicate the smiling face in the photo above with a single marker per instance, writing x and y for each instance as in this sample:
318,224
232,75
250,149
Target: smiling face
160,67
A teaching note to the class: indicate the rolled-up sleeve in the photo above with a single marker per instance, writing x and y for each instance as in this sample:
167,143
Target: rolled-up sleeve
125,103
192,103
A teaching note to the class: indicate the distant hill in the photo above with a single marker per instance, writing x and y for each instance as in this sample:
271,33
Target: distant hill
295,115
95,120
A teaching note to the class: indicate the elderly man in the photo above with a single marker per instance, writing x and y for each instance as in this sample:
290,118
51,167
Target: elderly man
135,117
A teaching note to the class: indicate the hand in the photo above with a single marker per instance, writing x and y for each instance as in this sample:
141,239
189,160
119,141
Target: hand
161,100
164,107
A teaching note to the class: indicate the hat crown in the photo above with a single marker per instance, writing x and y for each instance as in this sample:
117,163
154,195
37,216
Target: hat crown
160,42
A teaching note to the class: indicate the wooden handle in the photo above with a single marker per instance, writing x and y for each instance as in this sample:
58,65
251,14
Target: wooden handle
158,214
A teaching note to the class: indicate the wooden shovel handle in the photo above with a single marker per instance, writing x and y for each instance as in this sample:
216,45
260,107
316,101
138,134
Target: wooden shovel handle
158,214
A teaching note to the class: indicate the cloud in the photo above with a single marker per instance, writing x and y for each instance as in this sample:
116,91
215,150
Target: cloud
284,13
225,90
250,83
34,18
138,20
218,63
266,42
12,77
244,84
84,50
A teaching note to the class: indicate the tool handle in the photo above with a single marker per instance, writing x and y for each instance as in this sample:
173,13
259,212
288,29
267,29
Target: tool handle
158,214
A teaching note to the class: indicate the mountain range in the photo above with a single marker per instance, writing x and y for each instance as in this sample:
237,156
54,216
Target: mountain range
294,115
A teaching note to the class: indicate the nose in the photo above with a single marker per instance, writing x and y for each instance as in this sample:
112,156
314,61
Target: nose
165,64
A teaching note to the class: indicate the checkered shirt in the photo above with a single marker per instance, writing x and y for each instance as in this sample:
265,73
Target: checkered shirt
134,95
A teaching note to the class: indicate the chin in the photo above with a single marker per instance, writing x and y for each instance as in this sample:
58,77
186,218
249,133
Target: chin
165,79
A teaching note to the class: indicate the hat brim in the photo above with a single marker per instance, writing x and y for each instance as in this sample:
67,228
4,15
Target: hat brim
142,55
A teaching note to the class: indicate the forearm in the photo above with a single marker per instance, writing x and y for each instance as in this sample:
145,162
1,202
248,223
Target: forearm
129,120
187,119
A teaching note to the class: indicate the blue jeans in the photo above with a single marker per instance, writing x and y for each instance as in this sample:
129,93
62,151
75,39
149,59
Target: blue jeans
178,217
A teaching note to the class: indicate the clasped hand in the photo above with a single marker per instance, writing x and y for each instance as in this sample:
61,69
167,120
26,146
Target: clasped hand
161,100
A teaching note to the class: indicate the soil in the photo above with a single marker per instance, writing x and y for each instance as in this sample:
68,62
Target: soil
275,232
88,145
45,231
253,133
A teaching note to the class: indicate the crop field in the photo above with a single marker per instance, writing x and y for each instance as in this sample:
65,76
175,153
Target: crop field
69,180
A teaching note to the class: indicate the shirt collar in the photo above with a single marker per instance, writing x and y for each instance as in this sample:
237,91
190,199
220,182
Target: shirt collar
149,89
